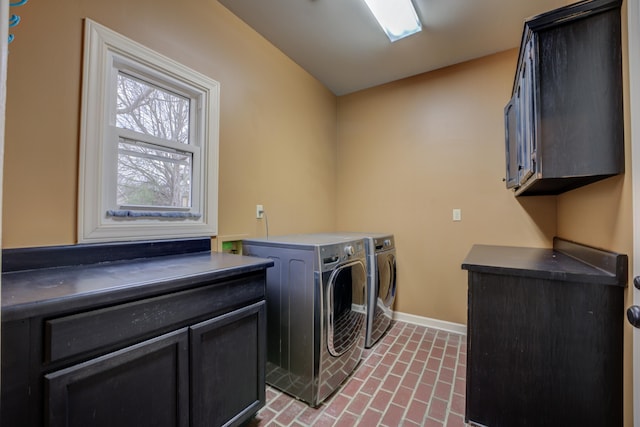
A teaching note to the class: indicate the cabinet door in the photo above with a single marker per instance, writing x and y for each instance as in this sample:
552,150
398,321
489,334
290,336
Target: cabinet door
526,116
228,367
142,385
511,146
543,352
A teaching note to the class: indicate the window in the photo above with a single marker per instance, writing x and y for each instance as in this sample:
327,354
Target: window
149,144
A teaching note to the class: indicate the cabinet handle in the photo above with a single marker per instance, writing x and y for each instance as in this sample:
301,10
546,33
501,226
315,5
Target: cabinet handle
633,316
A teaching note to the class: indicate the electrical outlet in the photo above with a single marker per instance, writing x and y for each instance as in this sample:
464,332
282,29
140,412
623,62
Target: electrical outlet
259,211
457,215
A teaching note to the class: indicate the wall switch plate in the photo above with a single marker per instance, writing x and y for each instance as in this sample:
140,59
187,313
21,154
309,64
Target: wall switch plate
259,211
457,215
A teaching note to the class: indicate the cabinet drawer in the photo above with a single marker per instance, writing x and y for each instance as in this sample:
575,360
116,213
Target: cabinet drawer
116,326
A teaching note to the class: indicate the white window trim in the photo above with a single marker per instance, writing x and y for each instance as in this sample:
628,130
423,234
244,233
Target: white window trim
101,45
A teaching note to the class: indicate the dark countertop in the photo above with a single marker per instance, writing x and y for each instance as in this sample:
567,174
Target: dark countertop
37,292
561,263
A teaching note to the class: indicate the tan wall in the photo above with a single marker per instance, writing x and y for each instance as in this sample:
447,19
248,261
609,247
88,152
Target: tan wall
277,123
411,151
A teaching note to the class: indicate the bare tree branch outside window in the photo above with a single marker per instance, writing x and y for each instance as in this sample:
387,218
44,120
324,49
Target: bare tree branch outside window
148,174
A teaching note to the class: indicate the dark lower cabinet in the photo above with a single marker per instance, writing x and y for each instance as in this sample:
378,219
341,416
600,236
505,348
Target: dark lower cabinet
171,341
145,384
206,374
544,339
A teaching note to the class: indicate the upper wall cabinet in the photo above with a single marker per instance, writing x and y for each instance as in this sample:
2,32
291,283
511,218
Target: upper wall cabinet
564,121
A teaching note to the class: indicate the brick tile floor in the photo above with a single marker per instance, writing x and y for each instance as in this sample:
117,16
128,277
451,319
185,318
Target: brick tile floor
414,376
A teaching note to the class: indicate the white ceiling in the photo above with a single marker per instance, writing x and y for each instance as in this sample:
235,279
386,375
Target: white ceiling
340,43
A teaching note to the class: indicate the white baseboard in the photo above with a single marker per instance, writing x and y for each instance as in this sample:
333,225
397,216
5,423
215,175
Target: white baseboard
443,325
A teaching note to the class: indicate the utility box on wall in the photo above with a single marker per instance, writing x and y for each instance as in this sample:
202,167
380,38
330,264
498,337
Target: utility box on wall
232,247
231,243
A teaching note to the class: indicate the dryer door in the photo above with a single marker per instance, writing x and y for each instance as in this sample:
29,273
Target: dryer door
386,278
345,306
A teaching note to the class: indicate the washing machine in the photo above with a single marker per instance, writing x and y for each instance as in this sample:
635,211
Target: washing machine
316,311
381,282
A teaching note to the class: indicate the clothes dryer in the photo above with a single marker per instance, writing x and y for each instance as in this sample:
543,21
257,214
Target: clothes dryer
316,311
381,282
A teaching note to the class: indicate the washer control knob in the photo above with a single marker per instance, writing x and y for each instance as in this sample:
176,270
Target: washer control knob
349,250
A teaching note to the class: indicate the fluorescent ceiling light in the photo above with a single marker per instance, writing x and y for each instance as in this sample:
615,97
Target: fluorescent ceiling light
397,18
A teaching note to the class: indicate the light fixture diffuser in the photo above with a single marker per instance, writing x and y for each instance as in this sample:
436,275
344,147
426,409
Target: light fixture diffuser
397,18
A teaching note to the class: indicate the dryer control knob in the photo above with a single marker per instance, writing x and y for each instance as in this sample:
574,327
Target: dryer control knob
349,250
387,242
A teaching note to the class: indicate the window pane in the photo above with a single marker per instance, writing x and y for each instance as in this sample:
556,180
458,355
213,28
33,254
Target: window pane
153,176
148,109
